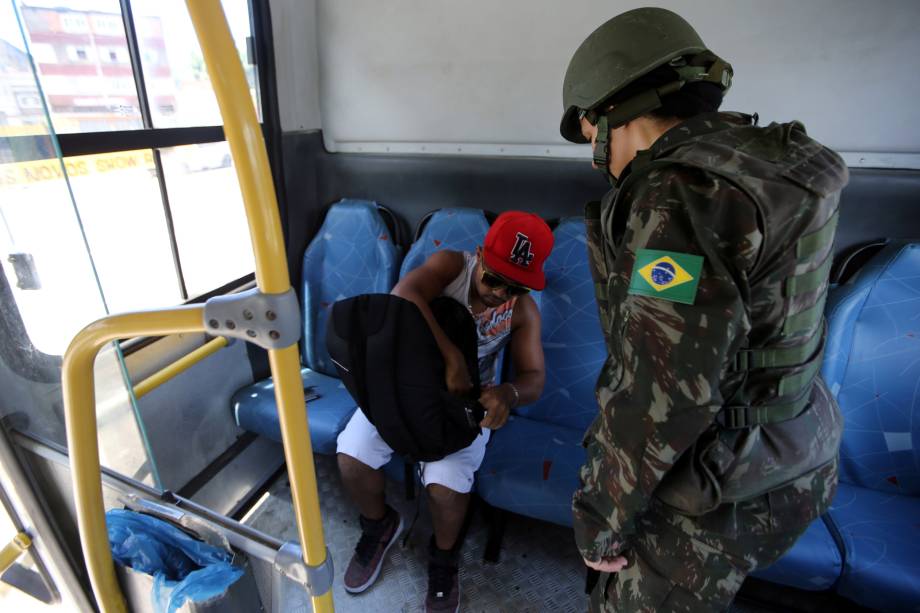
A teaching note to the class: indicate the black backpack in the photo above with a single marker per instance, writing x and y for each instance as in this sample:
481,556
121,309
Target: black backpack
389,361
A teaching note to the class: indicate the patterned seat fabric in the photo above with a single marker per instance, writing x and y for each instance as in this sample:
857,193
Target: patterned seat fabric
531,465
872,366
881,536
455,229
531,468
813,563
353,253
573,344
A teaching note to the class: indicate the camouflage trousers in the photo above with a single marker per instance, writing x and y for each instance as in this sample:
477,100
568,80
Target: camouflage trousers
695,564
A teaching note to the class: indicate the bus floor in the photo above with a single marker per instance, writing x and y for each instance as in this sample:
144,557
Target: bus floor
539,568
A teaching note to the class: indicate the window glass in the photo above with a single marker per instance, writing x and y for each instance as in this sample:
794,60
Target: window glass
180,91
208,216
81,54
118,197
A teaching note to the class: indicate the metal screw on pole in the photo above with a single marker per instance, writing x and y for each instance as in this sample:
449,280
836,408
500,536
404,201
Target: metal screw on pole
270,315
247,314
214,323
274,335
230,324
251,333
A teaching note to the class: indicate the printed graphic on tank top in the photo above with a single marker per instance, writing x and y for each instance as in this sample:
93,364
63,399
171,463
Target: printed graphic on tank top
493,325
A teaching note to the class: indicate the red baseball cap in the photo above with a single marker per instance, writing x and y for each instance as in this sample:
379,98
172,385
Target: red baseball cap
516,246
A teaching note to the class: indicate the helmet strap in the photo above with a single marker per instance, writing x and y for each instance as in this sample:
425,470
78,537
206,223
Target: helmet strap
601,155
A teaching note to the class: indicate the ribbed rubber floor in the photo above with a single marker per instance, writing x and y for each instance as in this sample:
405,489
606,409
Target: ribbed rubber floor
540,569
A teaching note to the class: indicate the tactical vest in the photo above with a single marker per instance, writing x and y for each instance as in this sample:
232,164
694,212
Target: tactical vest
780,422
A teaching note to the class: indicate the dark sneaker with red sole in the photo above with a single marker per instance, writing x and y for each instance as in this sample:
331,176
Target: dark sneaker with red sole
443,581
376,539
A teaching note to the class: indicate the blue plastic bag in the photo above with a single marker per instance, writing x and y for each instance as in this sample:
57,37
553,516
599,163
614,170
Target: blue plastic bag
183,568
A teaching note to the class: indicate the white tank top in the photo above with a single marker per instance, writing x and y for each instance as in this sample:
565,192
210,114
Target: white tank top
493,326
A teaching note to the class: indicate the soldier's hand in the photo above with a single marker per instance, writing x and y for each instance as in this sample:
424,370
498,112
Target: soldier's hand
607,565
497,403
456,375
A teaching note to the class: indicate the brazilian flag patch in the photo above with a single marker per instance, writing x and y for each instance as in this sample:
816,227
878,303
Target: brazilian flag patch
667,275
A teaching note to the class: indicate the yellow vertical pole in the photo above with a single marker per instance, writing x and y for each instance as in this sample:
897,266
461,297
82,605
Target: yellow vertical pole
251,160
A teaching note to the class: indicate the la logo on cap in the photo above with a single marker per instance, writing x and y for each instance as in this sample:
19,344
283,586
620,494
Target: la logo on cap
521,253
516,247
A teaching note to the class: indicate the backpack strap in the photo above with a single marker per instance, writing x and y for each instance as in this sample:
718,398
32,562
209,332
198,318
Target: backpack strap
385,317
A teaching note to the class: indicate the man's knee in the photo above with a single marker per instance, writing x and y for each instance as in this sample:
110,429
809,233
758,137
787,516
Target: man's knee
351,468
443,496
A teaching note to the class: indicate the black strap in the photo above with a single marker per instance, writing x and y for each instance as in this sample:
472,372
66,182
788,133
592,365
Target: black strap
738,417
409,476
591,579
749,359
381,376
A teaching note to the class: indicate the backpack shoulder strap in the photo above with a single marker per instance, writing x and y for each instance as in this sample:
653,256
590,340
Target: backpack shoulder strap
385,327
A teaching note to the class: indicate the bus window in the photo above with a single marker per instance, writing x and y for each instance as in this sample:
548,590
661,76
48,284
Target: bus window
174,66
141,198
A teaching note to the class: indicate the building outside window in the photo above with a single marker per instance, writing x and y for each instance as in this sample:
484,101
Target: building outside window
163,223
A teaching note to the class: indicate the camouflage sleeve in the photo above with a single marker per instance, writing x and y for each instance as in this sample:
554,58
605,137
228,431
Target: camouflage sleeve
667,358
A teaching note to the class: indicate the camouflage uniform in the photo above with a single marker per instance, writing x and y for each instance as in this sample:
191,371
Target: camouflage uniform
716,443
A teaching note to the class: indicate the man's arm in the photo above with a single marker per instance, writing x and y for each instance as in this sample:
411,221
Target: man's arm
673,354
529,369
423,285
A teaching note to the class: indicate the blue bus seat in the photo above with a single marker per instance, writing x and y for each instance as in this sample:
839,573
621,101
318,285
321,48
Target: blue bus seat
353,253
531,465
814,563
457,229
872,366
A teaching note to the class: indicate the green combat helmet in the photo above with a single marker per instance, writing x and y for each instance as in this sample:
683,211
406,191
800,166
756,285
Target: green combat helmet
618,53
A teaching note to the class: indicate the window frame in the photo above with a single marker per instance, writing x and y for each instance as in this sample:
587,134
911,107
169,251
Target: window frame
260,47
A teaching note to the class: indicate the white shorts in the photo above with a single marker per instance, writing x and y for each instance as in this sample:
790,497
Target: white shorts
361,441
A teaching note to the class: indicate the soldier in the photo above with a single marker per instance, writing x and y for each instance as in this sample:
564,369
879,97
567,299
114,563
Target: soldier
716,442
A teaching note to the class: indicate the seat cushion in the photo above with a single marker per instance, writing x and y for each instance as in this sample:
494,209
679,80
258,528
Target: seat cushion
881,533
255,409
531,468
457,229
813,563
573,344
872,366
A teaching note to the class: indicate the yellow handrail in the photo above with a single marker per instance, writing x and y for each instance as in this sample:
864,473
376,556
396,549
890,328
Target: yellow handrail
179,366
15,548
82,442
248,150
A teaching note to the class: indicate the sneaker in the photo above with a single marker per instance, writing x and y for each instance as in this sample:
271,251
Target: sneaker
443,580
376,539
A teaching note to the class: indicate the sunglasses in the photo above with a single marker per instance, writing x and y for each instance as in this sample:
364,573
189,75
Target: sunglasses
492,280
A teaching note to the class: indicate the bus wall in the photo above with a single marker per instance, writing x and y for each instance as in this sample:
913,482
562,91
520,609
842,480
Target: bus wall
436,104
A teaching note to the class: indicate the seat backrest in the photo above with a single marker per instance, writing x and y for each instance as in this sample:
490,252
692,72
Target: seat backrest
573,344
353,253
872,367
457,229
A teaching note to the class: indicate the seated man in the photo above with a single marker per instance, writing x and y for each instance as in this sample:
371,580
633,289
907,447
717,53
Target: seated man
493,283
